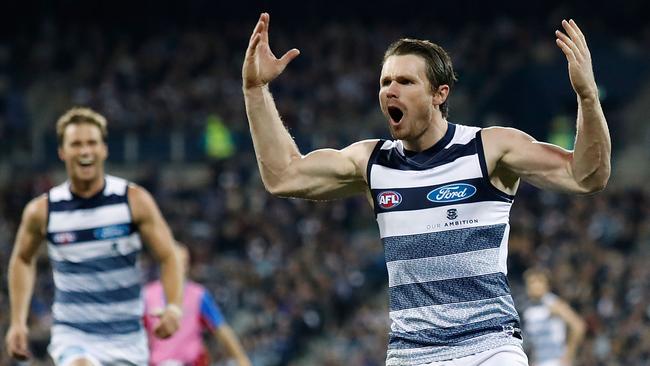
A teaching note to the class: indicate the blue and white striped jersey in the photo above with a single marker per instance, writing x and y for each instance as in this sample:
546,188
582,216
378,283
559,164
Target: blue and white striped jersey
93,247
445,228
545,333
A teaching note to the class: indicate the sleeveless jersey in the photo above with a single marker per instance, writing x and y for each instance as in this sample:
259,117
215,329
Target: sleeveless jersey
546,333
444,228
93,248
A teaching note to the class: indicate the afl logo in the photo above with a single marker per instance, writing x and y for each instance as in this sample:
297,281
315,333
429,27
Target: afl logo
64,238
452,193
389,199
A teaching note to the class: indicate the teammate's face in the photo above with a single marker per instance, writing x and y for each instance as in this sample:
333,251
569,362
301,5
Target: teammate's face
536,286
406,97
83,151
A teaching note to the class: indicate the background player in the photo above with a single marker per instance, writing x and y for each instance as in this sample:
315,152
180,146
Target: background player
546,321
94,225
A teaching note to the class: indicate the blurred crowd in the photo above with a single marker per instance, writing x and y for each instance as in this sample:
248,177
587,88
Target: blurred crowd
153,84
304,283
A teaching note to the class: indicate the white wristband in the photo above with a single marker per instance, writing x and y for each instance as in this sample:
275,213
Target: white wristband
175,309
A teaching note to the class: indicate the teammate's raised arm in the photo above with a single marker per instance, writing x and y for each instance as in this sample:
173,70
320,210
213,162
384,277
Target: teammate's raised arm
322,174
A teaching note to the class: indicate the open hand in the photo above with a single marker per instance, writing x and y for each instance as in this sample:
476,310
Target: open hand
260,64
575,49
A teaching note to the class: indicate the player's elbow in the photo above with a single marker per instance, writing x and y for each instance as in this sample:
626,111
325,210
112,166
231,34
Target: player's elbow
280,187
277,189
286,183
592,170
582,328
596,182
579,329
592,178
278,180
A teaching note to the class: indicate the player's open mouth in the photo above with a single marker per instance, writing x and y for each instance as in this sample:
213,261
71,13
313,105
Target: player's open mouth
395,114
86,162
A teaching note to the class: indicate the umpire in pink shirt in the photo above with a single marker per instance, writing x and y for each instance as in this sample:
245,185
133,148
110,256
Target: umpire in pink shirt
200,314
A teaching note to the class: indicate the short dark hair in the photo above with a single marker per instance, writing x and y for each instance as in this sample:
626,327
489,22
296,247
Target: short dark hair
439,69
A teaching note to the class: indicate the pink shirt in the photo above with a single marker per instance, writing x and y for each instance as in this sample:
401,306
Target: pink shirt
200,313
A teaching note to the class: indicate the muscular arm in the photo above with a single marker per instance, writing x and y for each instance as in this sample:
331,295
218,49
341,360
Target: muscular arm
22,272
225,335
322,174
156,235
575,325
586,169
512,154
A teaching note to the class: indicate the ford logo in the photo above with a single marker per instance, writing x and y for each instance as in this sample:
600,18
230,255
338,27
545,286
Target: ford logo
113,231
389,199
452,193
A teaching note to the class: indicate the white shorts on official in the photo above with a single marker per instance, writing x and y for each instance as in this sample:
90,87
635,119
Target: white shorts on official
501,356
69,344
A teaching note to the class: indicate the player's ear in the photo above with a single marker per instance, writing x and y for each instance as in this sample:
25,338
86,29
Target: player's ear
440,94
105,150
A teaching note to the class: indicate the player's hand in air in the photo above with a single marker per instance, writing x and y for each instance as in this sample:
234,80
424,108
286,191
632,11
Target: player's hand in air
575,49
260,64
17,342
170,321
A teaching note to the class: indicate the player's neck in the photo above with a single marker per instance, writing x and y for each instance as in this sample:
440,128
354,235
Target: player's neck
86,188
429,137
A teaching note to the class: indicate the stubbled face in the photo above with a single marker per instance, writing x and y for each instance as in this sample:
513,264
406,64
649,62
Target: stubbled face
405,97
536,286
83,151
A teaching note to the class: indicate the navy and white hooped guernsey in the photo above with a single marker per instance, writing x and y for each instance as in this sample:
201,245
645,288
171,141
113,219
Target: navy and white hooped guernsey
444,228
546,332
93,247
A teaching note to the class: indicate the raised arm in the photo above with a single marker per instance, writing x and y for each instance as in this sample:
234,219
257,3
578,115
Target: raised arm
158,237
322,174
22,274
586,169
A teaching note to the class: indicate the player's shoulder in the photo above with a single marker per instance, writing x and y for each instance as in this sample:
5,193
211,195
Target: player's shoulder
500,133
138,195
36,208
360,152
500,139
116,185
363,147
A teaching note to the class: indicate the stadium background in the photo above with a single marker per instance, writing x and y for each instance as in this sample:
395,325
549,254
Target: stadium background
304,283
